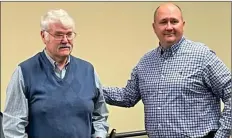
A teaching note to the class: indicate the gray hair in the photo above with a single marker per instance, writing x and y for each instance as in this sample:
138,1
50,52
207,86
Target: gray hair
54,16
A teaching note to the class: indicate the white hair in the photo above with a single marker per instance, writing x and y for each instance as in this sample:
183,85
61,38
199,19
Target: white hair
56,16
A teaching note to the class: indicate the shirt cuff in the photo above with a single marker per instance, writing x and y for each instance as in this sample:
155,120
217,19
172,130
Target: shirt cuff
99,135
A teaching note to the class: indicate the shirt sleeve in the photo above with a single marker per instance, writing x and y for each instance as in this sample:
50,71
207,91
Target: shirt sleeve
100,113
124,97
218,78
15,114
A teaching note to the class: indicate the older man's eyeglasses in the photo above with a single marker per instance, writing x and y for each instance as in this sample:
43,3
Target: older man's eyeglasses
60,36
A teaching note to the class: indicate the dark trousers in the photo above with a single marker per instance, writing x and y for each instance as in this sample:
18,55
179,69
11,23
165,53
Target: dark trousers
210,134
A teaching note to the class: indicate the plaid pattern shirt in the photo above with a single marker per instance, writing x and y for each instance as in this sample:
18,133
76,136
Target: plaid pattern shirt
180,88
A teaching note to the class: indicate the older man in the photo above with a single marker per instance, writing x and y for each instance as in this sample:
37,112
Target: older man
54,94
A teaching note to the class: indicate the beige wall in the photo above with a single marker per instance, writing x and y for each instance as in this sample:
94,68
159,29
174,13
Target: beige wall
113,36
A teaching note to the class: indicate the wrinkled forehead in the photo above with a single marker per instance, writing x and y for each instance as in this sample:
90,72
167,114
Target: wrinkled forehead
59,27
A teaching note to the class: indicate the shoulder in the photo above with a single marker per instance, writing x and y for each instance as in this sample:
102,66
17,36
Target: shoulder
197,52
80,61
196,47
148,57
30,63
30,60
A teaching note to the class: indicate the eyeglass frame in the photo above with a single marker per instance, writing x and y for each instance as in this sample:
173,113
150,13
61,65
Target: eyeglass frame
62,36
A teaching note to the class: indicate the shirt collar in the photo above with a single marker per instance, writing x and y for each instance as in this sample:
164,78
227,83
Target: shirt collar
53,62
173,49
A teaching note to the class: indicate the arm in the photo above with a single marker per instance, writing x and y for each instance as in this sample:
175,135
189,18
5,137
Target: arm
15,114
218,78
100,113
124,97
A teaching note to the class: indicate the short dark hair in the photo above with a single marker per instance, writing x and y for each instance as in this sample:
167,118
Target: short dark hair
159,7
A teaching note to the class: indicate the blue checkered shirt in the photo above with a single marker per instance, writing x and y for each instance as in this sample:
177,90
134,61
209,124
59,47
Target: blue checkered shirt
180,88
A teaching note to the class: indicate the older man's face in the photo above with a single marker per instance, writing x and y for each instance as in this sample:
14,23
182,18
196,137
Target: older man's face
168,25
58,48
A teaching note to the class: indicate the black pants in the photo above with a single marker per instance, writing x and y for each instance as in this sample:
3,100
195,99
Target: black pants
210,134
